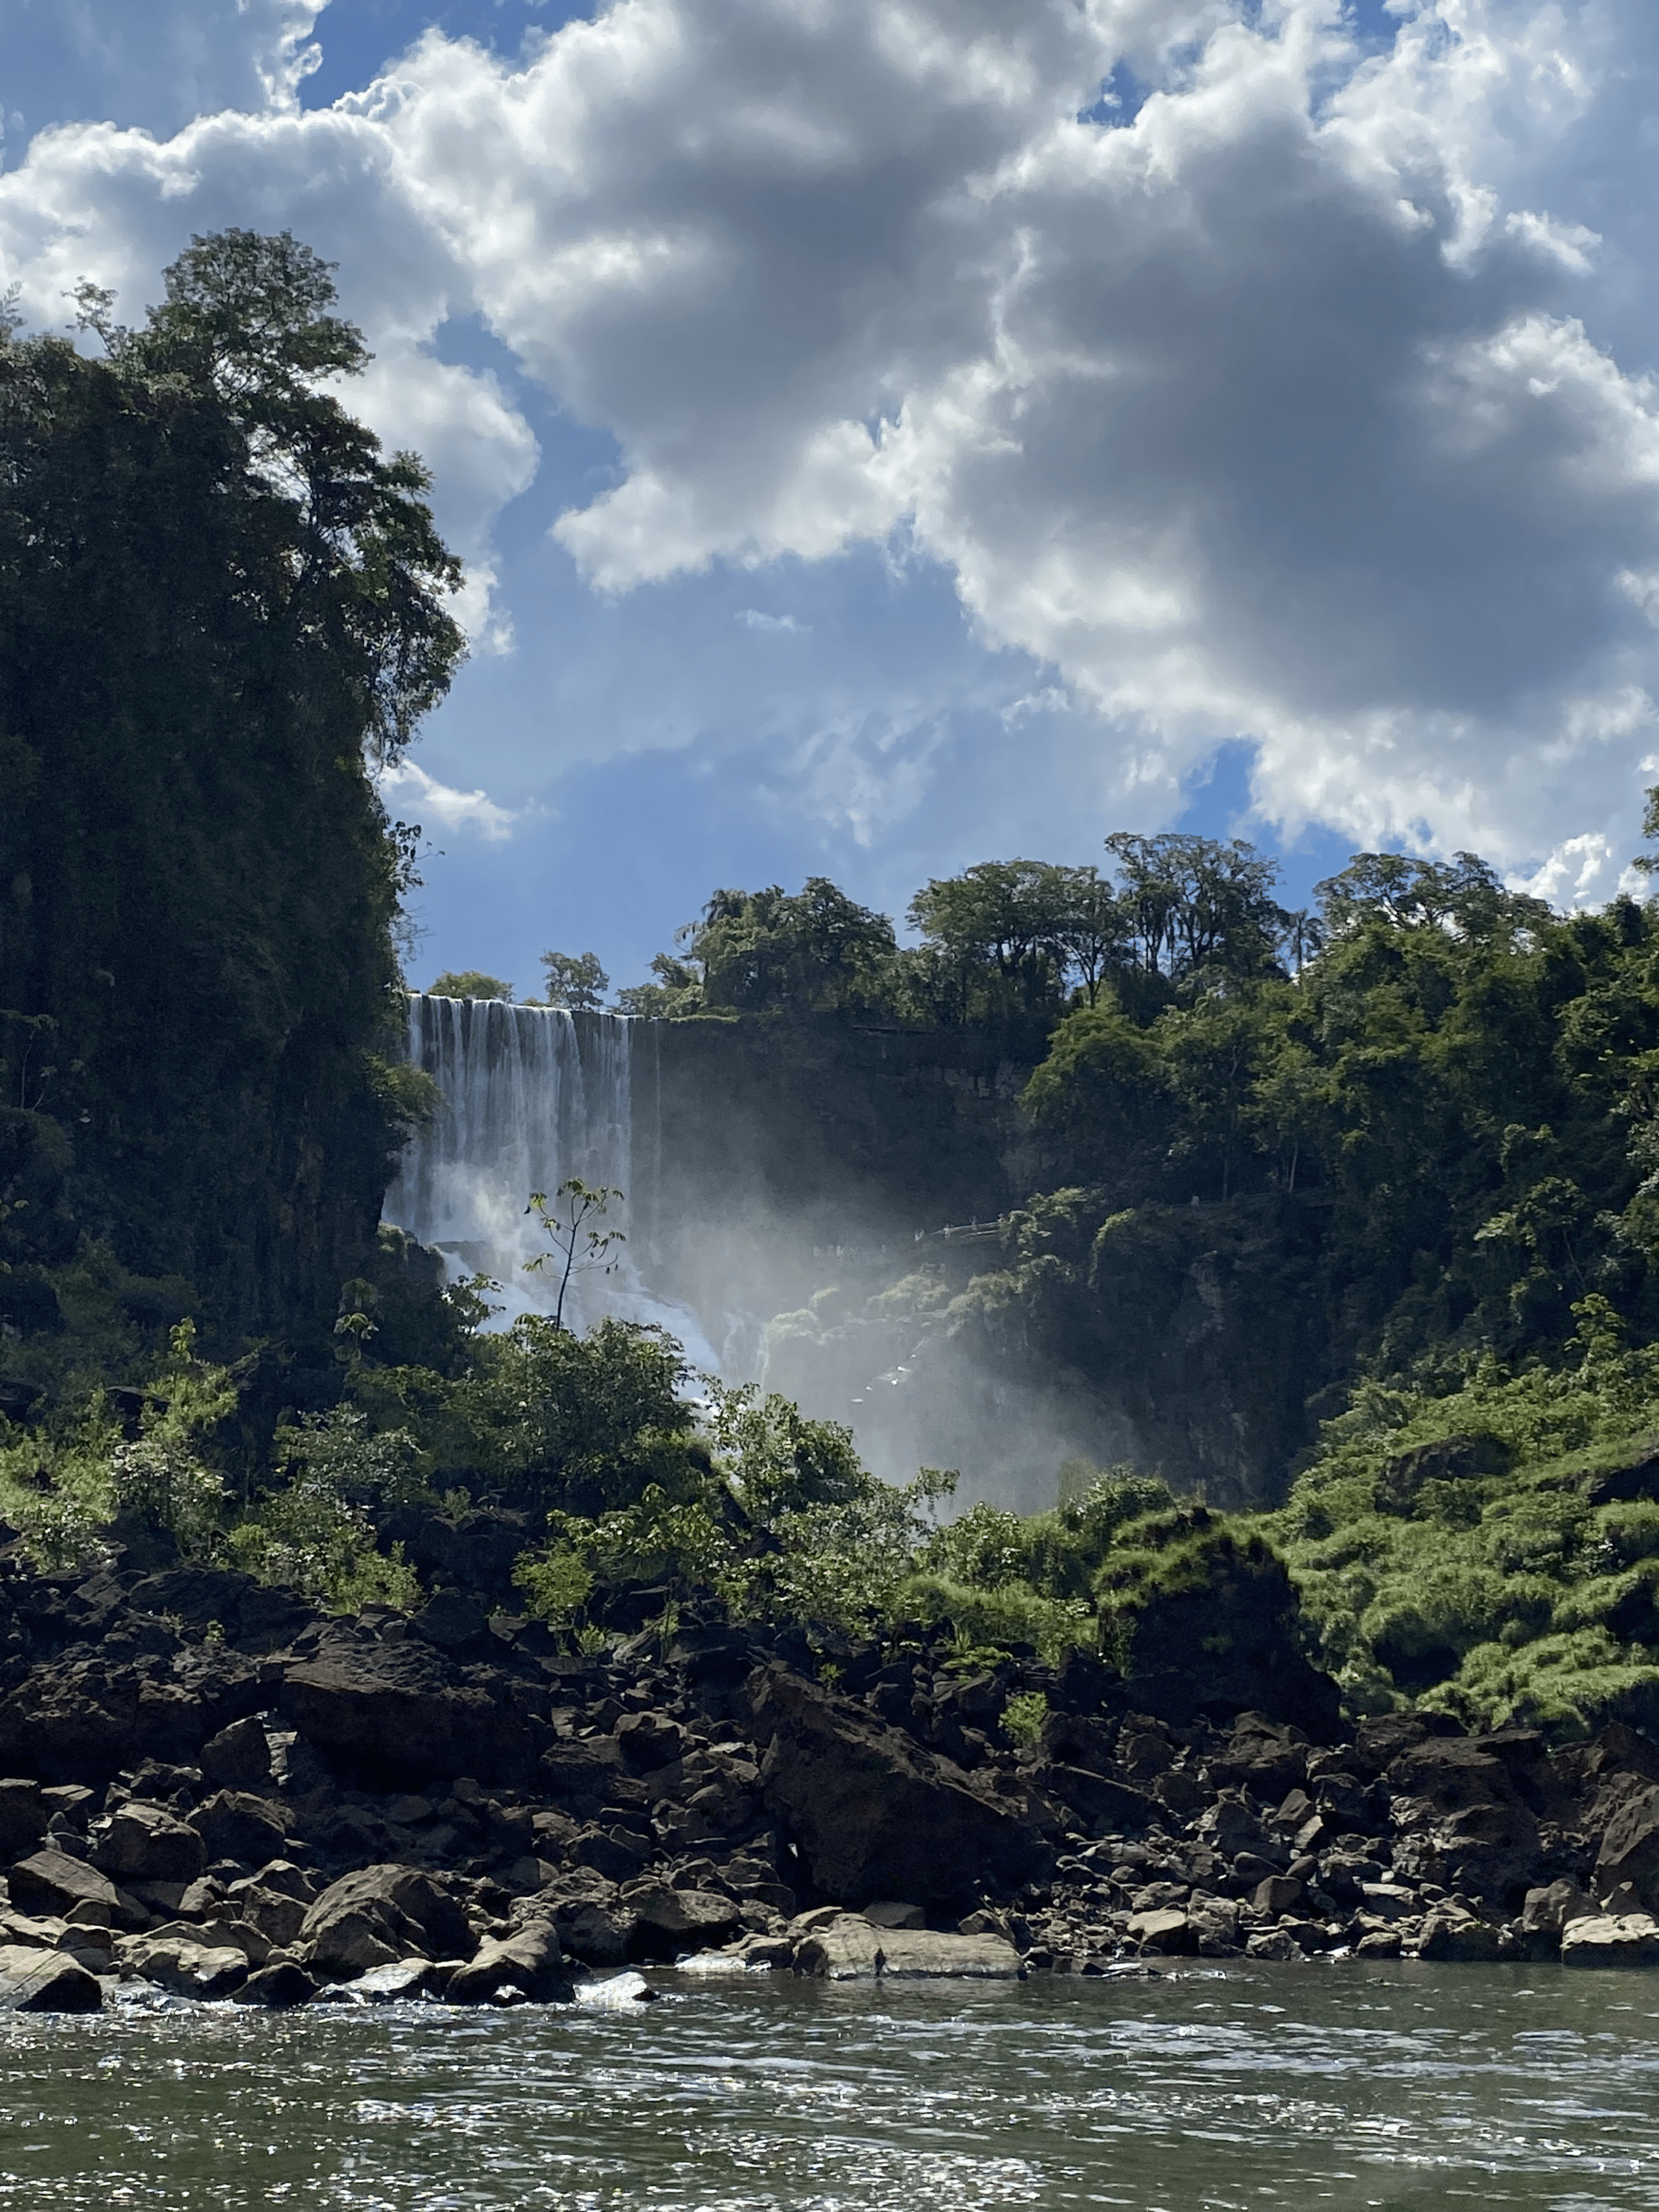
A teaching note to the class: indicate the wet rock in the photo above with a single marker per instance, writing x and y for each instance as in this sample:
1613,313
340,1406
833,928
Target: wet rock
1379,1943
238,1757
1629,1939
235,1824
1163,1927
872,1813
1275,1943
596,1934
921,1954
218,1931
530,1964
146,1842
667,1921
278,1987
378,1915
1214,1922
1457,1936
45,1981
404,1978
187,1968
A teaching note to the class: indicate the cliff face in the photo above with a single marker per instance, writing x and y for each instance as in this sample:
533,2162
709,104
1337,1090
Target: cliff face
856,1136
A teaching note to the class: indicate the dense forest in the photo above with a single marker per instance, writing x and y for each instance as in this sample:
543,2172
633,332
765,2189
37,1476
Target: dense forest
1387,1168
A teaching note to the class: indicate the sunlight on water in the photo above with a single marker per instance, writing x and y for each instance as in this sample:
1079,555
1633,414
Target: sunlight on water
1400,2087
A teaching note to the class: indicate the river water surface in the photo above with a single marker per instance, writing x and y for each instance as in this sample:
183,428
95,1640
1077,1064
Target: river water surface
1393,2085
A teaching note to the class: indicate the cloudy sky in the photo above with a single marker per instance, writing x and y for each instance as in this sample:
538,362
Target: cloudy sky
889,433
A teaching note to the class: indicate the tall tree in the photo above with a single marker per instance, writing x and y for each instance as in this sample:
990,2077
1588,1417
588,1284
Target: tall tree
220,606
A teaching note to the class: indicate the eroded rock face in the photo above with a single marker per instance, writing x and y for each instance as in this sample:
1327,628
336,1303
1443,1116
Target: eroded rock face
1628,1864
1460,1818
400,1714
873,1814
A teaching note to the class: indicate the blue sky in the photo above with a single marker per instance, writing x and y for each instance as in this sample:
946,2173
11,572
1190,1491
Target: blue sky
866,466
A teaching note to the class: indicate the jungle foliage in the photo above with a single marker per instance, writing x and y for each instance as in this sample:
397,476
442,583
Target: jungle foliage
221,607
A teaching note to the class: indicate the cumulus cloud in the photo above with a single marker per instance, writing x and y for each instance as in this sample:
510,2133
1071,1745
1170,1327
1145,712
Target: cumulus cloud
455,810
1298,394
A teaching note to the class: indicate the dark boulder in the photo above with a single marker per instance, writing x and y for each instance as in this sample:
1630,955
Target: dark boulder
453,1622
668,1922
70,1724
378,1914
1627,1867
526,1965
23,1817
239,1757
873,1814
51,1883
278,1988
146,1842
235,1824
398,1714
45,1981
1459,1820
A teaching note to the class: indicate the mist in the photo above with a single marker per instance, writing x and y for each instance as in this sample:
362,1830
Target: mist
809,1217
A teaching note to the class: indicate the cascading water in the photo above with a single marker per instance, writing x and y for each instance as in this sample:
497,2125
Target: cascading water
530,1096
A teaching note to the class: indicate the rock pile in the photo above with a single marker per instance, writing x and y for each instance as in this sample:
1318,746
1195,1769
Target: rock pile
207,1787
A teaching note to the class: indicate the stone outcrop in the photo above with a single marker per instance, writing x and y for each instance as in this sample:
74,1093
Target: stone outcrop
393,1806
873,1814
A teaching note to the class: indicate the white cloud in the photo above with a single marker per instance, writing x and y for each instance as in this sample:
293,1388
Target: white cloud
455,810
753,618
1306,405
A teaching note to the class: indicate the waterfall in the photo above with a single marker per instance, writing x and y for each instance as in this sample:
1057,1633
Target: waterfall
531,1095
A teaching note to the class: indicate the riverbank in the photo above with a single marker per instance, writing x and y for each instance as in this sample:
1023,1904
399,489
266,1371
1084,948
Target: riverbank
206,1787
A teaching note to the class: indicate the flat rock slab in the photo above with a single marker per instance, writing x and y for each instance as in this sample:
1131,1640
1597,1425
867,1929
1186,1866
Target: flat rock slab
45,1981
52,1882
850,1949
1628,1939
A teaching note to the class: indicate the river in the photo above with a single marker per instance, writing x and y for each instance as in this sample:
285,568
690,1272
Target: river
1400,2086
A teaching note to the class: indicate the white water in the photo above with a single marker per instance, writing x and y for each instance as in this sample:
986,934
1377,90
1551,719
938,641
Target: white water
530,1096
